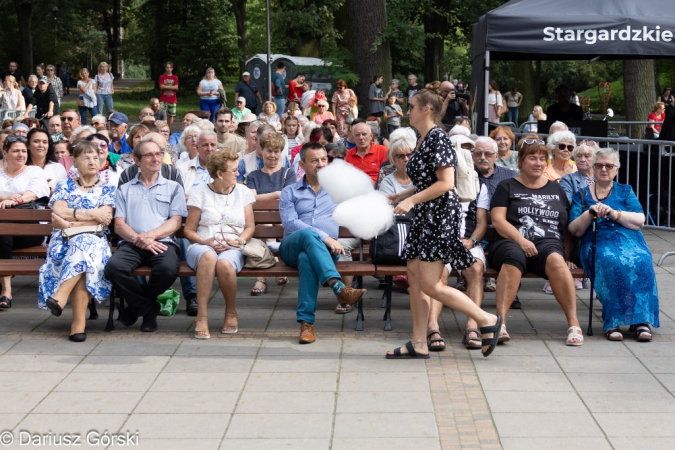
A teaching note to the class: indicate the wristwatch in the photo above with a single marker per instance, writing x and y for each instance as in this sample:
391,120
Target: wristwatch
475,242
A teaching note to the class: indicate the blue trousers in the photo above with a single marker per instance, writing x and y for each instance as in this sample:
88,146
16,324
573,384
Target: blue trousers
104,99
305,250
281,105
83,113
512,115
210,105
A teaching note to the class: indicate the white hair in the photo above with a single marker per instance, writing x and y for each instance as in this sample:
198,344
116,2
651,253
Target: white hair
459,129
80,129
556,138
558,125
307,131
207,133
204,124
401,139
193,128
487,140
608,152
100,118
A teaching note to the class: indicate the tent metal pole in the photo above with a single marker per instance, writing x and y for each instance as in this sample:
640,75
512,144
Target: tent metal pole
487,92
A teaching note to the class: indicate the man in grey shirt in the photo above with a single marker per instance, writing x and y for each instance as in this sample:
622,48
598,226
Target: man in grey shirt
149,210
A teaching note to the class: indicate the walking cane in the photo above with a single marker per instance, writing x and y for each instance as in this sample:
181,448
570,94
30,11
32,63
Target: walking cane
594,225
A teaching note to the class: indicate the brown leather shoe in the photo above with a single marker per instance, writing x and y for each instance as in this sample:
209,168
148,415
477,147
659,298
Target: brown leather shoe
349,295
307,333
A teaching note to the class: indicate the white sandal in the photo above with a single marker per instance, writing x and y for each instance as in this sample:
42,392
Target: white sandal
574,332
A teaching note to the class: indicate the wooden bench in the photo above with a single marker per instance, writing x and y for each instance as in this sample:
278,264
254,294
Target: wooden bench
268,226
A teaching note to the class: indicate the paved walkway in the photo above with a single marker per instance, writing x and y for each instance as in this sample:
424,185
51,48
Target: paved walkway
261,390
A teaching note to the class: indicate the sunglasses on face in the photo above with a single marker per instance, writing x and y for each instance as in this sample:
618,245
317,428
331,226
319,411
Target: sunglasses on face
608,167
563,147
69,119
531,141
331,158
403,155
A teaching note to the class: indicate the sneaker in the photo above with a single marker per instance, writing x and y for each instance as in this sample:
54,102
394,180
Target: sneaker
490,285
578,284
547,288
461,284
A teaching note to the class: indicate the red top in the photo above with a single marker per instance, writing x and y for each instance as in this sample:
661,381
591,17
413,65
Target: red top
168,96
371,161
294,87
654,118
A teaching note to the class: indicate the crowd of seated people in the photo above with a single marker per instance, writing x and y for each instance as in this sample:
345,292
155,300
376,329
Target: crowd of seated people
538,195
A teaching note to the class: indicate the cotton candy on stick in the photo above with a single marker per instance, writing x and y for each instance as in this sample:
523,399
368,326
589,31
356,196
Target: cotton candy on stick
343,181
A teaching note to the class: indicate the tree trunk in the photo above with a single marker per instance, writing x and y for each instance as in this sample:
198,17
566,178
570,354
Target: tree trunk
24,13
639,91
368,20
435,27
537,82
116,26
344,26
523,74
239,9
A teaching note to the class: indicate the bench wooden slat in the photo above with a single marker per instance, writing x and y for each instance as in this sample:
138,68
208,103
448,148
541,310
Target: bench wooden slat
25,229
25,215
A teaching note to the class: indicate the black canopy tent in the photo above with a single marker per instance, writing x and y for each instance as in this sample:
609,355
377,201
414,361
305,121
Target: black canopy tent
572,29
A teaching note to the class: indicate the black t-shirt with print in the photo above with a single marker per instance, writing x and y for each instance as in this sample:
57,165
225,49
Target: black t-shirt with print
536,213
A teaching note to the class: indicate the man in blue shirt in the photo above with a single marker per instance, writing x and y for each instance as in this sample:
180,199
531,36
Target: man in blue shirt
310,240
118,125
280,89
149,210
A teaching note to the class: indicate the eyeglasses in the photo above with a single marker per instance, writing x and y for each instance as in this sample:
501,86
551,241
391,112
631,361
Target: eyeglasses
50,70
13,139
96,124
403,155
563,147
102,145
148,114
233,172
532,141
191,137
331,158
588,143
152,155
608,167
69,119
481,154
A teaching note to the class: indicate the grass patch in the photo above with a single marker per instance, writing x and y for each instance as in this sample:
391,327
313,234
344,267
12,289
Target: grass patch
131,101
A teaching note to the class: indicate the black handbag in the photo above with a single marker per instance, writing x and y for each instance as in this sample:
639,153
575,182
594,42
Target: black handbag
388,248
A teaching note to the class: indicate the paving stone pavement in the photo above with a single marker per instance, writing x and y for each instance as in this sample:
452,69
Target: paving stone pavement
261,390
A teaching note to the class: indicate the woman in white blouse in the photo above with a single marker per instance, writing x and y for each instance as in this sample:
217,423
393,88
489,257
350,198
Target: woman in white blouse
494,102
219,223
41,154
19,184
12,97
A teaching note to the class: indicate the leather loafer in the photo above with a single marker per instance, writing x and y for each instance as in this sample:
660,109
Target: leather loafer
54,307
78,337
149,324
191,306
349,295
307,333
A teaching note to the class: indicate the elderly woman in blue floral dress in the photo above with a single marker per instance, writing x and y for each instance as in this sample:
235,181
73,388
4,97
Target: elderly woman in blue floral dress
74,267
624,281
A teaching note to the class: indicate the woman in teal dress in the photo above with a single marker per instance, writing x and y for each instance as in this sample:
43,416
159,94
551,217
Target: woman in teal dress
625,282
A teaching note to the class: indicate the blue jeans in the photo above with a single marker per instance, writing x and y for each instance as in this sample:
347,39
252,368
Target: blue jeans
281,105
104,99
512,115
305,250
83,113
209,105
187,284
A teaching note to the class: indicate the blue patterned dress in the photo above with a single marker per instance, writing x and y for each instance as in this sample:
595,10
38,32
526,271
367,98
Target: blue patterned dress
625,282
83,253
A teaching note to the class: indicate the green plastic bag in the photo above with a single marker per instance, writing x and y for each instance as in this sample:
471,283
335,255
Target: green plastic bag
169,301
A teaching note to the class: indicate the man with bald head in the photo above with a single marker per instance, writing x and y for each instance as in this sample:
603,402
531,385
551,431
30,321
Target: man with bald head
54,124
453,106
187,121
366,156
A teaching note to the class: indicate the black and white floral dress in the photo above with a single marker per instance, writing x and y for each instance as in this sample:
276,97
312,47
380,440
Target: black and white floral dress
434,233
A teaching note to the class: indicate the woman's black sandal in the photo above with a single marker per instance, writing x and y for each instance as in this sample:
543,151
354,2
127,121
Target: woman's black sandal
611,331
492,342
411,353
430,342
643,329
5,302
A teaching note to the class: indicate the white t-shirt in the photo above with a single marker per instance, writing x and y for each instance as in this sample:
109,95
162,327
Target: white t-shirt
55,173
220,209
31,179
210,86
482,202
